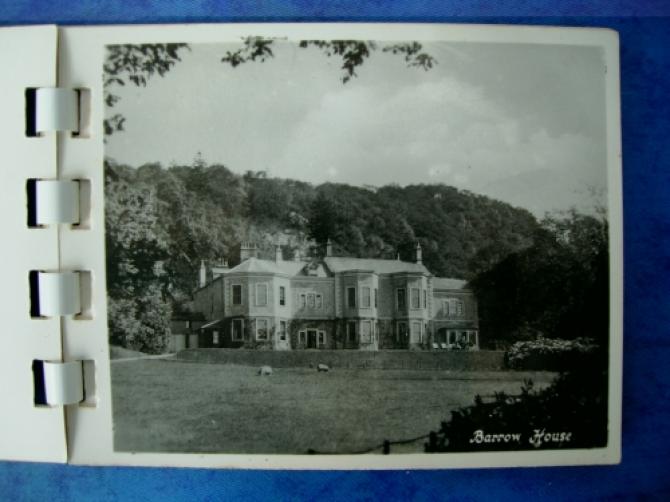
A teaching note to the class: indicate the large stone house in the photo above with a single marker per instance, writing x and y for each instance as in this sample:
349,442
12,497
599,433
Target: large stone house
333,303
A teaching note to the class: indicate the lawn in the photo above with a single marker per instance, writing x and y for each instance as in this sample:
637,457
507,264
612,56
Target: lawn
169,406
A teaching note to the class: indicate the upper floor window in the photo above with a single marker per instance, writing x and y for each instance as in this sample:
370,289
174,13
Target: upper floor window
303,300
261,294
415,298
319,301
311,300
365,297
425,298
401,301
375,297
351,297
453,307
282,295
261,329
237,294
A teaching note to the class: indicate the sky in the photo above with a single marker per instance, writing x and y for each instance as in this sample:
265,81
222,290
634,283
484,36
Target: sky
521,123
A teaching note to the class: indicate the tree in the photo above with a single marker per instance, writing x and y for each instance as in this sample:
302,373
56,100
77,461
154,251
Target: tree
137,64
557,288
138,311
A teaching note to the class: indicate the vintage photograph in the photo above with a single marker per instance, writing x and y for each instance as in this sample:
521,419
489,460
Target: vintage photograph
357,246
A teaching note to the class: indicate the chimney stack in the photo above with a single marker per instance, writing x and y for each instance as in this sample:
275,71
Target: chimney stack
419,254
203,274
329,247
247,250
278,253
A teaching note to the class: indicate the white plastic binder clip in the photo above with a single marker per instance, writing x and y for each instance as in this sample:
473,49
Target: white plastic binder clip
59,293
56,109
63,382
56,201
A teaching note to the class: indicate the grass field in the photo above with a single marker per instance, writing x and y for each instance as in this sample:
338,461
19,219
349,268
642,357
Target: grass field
169,406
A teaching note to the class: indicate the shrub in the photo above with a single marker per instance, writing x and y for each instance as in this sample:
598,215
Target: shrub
550,354
572,411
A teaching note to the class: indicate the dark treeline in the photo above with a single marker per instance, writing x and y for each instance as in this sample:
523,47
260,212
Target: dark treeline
160,222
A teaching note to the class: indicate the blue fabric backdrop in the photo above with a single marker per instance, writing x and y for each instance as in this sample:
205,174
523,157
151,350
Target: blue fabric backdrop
645,61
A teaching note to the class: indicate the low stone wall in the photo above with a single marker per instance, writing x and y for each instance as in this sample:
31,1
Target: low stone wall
386,359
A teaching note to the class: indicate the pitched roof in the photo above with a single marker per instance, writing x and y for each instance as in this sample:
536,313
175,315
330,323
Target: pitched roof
379,266
448,283
289,268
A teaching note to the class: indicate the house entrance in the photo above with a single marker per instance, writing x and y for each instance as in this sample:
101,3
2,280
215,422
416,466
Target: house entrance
311,339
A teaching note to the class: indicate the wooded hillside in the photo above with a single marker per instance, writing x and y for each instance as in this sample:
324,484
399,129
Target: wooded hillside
547,278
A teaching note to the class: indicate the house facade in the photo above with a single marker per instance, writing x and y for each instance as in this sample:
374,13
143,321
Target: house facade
333,303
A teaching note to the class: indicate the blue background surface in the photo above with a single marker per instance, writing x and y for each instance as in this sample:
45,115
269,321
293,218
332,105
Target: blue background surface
645,471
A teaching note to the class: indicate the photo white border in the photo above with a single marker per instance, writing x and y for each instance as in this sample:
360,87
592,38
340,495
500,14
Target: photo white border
90,429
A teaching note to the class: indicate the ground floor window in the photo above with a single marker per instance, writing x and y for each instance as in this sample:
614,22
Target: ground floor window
416,331
238,330
261,329
401,333
301,337
366,331
322,338
282,330
215,338
351,332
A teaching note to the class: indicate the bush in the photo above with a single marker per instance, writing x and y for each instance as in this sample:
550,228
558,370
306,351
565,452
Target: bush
570,413
551,354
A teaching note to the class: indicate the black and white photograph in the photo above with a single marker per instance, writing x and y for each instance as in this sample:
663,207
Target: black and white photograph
356,246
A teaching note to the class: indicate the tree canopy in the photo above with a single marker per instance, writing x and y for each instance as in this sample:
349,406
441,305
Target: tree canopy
138,63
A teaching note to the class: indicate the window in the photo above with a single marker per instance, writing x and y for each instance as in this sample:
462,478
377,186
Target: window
215,338
351,297
415,298
351,331
366,332
282,330
301,337
237,294
303,300
453,307
319,301
375,297
282,295
261,329
401,334
425,298
238,330
322,338
400,299
452,337
416,332
365,297
311,300
261,294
